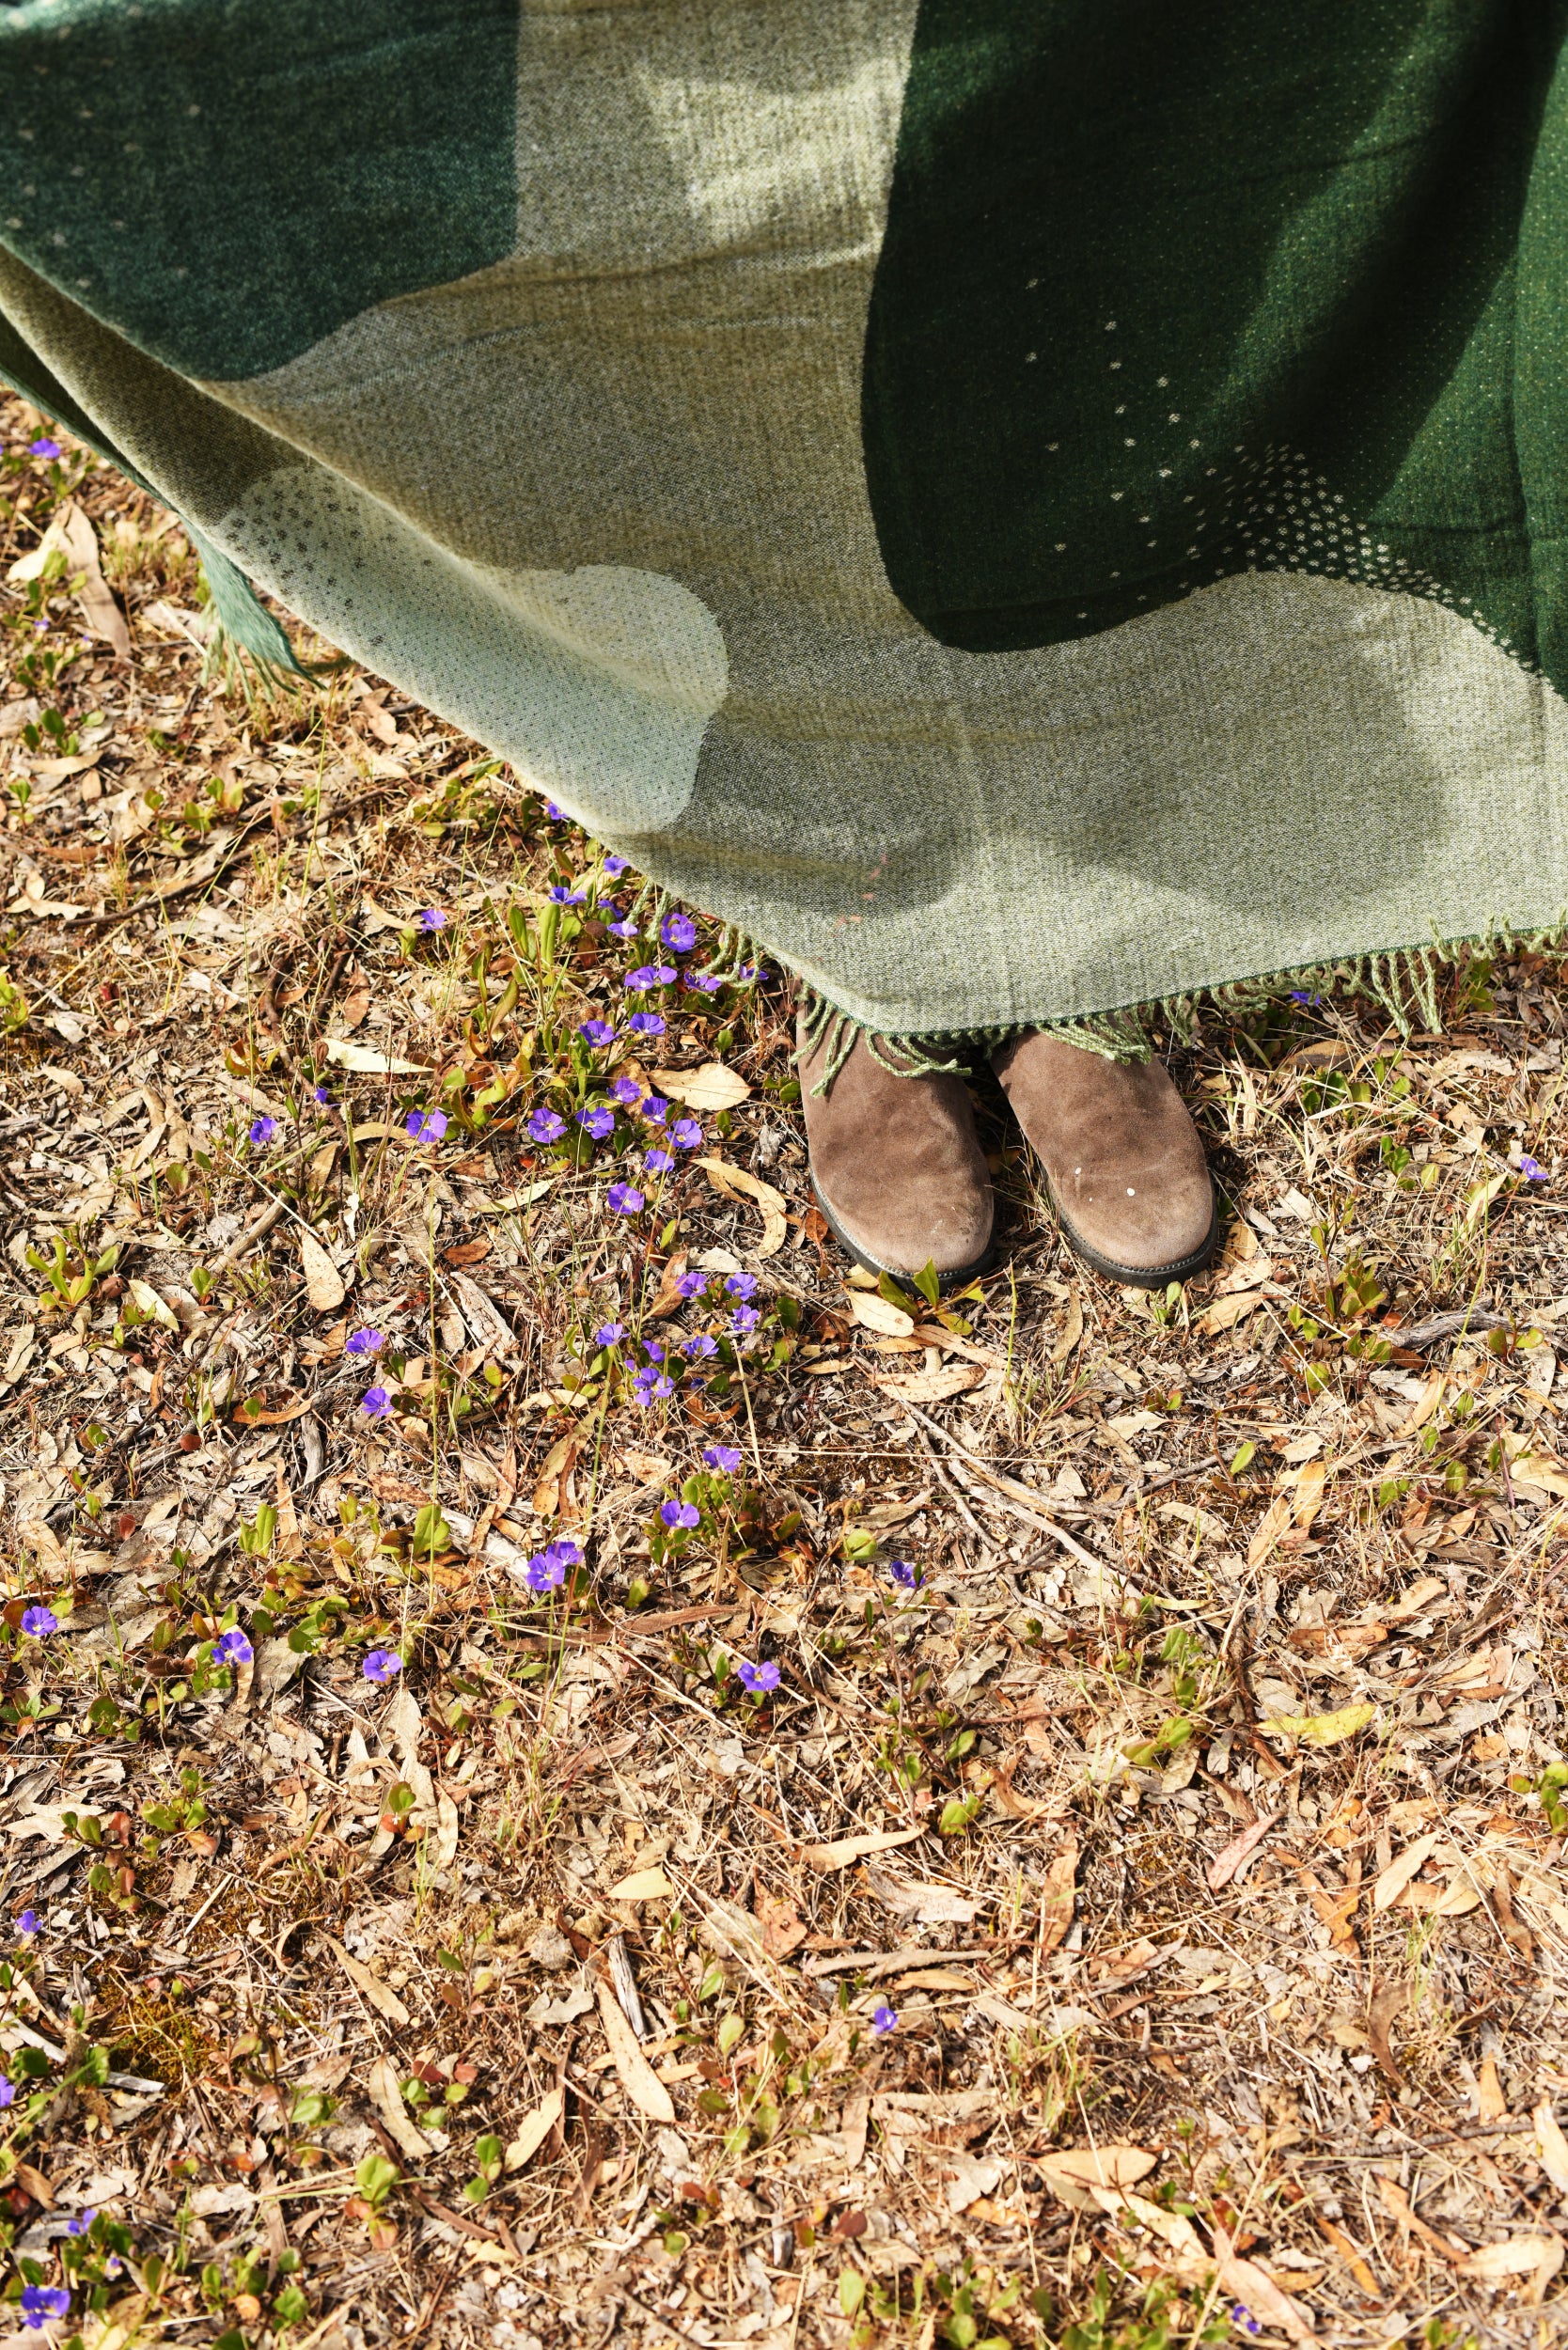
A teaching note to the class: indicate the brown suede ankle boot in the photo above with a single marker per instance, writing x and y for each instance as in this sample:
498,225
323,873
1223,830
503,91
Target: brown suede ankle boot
897,1170
1125,1165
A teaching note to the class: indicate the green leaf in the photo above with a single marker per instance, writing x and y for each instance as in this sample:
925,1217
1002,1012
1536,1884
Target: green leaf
926,1282
1243,1457
956,1816
729,2032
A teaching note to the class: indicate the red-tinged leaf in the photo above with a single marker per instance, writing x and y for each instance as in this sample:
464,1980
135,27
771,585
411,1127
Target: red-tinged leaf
1223,1867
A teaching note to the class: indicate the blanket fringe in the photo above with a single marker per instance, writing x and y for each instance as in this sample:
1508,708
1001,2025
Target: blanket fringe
1403,981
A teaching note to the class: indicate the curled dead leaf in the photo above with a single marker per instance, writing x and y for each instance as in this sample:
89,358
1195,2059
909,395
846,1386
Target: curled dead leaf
1223,1867
735,1182
324,1284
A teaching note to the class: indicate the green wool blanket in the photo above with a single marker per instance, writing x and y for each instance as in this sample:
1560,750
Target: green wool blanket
1031,509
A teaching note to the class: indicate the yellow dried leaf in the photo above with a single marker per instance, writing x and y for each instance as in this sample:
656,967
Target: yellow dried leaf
384,2000
1551,2145
364,1062
1400,1871
933,1386
1309,1492
1518,2256
534,2129
643,1885
1322,1730
712,1087
874,1312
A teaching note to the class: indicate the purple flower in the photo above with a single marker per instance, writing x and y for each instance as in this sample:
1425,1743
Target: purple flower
563,1552
1531,1170
883,2020
745,1317
623,1199
233,1648
39,2303
556,815
609,1332
904,1576
759,1679
678,931
79,2225
432,920
8,2092
658,1162
43,447
39,1623
262,1131
1241,2315
646,1024
599,1122
544,1573
598,1032
687,1133
28,1921
742,1285
723,1456
655,1109
625,928
700,983
678,1513
699,1347
627,1090
425,1125
546,1125
562,895
320,1094
383,1664
1300,995
692,1284
616,866
647,975
655,1387
377,1404
653,1349
365,1342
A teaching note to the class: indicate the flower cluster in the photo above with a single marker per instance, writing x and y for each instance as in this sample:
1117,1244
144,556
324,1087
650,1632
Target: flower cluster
548,1568
614,1118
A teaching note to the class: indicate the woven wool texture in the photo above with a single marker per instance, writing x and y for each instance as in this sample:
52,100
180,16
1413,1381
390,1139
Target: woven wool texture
1029,513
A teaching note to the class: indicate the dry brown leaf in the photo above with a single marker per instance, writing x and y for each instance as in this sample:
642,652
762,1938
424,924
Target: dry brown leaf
1252,2284
1398,1874
1055,1897
637,2076
73,534
1491,2104
324,1284
1392,2000
1223,1867
1309,1492
534,2128
356,1003
848,1848
34,2182
1551,2145
1517,2256
1013,1806
736,1184
382,2082
488,1326
550,1487
1395,2200
649,1468
712,1087
1071,1328
933,1386
1226,1312
1432,1395
1116,2167
667,1299
854,2124
782,1929
384,2000
1275,1522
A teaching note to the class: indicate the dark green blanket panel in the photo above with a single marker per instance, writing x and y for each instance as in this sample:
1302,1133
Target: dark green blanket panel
226,184
1169,294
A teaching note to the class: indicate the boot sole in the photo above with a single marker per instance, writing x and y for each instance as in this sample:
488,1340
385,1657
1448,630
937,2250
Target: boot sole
945,1282
1143,1276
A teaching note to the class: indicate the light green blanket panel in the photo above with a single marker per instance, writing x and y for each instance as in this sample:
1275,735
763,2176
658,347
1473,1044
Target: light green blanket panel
1208,638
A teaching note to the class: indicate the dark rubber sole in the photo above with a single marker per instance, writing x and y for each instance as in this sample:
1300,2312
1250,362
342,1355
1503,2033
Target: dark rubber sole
1143,1276
945,1282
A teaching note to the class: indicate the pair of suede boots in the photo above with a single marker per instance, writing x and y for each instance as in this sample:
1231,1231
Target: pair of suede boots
900,1177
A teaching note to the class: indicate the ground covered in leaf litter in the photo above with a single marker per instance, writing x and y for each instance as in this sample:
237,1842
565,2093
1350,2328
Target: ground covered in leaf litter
664,1792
